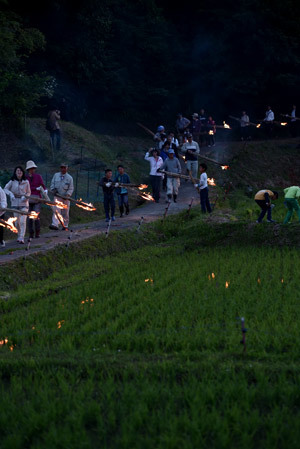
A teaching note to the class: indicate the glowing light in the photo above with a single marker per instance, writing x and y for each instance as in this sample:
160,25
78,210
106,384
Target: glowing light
283,124
85,206
282,281
4,341
211,132
213,275
258,281
34,215
143,186
60,323
211,181
224,167
9,224
227,284
146,196
60,204
258,126
225,125
149,280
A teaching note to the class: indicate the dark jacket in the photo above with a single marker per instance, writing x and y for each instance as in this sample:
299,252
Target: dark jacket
107,190
123,179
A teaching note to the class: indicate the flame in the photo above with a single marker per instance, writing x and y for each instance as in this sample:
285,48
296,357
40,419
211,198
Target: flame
213,275
4,341
143,186
34,215
146,196
225,125
85,206
211,181
258,126
227,284
60,204
149,280
211,133
9,224
224,167
60,323
282,281
283,124
60,218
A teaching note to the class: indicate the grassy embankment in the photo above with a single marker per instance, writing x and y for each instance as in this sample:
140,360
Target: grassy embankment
96,356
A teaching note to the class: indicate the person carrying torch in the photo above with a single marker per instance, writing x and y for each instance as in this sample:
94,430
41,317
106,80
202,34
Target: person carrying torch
191,150
62,184
172,165
108,193
122,192
3,205
18,189
35,181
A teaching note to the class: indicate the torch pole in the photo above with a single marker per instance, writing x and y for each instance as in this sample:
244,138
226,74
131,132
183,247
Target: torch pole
46,197
166,210
190,206
244,330
140,224
107,229
16,211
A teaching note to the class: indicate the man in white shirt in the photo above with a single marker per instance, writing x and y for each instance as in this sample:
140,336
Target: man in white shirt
61,184
191,150
244,123
268,121
205,204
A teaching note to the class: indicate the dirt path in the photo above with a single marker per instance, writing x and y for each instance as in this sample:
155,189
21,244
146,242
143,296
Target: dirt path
150,212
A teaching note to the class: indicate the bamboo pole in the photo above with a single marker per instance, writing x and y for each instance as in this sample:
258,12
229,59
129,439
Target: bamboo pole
46,197
16,211
146,129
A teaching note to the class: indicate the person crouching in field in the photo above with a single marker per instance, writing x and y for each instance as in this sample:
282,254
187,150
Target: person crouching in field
204,200
18,189
3,205
291,194
108,192
122,192
172,165
263,199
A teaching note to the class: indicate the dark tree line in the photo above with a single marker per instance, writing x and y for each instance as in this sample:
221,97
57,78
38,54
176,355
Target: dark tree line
144,57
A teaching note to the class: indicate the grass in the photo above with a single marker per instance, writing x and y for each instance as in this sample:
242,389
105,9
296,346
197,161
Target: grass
97,357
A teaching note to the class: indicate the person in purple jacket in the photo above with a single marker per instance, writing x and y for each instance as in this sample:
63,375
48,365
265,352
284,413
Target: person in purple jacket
35,181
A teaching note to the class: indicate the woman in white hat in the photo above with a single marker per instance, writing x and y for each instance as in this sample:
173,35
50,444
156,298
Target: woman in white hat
18,189
35,181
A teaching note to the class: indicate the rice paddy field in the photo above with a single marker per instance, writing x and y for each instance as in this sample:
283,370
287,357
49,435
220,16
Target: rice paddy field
136,342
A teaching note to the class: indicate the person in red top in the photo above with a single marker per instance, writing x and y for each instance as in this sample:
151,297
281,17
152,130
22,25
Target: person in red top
35,181
211,131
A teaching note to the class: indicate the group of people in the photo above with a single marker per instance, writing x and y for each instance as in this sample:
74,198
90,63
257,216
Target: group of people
170,169
264,200
117,184
23,190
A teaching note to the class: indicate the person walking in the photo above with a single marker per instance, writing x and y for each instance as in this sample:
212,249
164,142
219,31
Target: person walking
122,192
160,137
268,122
195,127
203,187
182,124
244,126
263,199
62,184
108,192
172,165
54,129
211,131
18,189
191,150
155,177
3,205
35,181
291,195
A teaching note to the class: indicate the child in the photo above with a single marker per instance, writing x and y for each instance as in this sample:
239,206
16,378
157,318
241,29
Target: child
204,200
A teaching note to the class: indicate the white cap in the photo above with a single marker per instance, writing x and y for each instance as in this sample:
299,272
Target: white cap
30,164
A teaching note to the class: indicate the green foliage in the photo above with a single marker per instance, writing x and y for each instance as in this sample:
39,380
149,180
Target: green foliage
19,90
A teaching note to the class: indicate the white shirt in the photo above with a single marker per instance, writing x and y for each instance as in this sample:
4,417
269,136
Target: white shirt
244,121
269,116
155,164
3,201
203,181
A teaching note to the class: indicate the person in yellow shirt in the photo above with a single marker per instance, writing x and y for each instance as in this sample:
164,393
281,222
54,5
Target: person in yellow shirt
291,194
263,199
